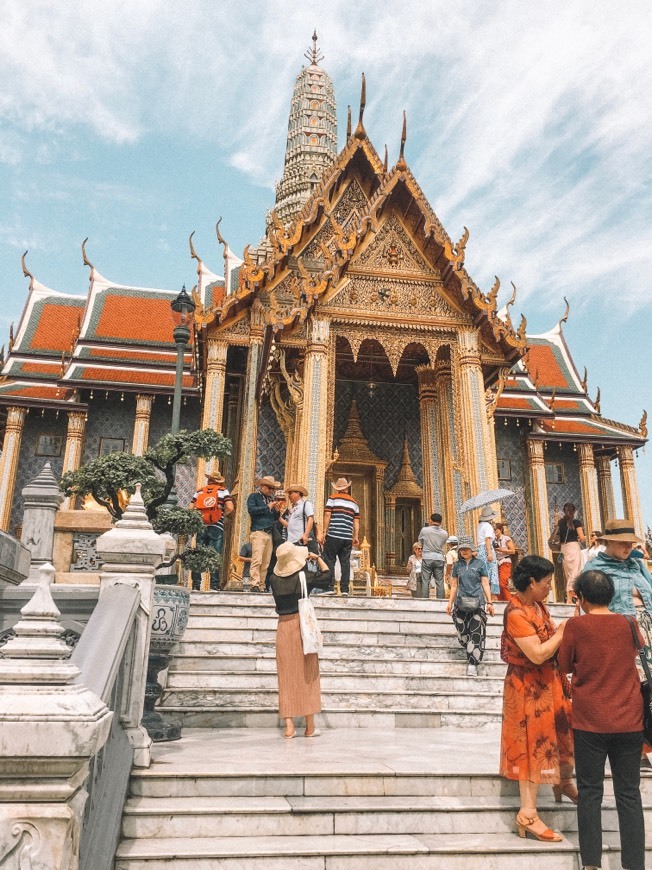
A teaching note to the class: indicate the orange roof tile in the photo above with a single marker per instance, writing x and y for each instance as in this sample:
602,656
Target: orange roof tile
135,355
543,365
135,318
56,328
120,376
29,392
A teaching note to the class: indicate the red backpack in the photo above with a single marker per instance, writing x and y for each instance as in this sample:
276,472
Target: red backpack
208,502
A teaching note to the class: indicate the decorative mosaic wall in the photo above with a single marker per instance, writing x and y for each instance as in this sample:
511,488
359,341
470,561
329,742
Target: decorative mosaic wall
270,449
570,489
160,425
388,415
29,464
509,448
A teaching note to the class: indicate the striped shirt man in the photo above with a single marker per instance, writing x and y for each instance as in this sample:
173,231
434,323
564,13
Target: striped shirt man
342,510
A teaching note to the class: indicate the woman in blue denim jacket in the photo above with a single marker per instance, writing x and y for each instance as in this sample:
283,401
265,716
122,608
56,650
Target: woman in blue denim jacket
631,578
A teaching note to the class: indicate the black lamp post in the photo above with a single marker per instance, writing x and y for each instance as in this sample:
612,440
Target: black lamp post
182,310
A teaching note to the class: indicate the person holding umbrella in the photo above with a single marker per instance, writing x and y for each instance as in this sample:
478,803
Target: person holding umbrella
486,536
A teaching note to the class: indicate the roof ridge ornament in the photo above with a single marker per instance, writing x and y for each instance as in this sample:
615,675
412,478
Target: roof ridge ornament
386,160
87,262
314,54
360,132
585,380
348,123
193,252
26,271
642,426
564,319
402,165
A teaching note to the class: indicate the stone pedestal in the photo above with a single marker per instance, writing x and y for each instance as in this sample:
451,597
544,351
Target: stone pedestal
50,727
41,500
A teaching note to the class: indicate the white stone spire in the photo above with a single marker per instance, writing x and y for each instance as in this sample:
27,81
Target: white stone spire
312,136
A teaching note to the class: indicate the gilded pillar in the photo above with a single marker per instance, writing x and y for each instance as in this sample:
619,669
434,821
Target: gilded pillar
9,462
390,533
248,438
446,446
213,413
589,488
605,490
478,447
312,451
380,517
74,447
631,501
539,521
232,429
430,439
141,426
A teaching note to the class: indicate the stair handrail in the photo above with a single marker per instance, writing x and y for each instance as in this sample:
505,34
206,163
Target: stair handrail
105,657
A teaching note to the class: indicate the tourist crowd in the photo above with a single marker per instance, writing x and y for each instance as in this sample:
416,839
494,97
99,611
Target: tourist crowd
572,692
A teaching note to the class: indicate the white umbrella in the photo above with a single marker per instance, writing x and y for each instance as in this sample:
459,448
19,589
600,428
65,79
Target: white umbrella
482,498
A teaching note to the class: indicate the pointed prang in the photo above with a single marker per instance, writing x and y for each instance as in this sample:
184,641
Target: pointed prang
348,123
360,132
402,165
313,54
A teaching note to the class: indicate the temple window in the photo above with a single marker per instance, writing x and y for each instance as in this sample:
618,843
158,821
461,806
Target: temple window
555,472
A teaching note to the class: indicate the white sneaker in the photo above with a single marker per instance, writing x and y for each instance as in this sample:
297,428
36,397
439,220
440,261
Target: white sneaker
471,670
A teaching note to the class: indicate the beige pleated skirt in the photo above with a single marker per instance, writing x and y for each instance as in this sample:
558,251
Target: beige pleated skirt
299,693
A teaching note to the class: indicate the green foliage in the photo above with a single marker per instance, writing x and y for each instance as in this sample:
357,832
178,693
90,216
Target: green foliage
201,559
184,522
105,477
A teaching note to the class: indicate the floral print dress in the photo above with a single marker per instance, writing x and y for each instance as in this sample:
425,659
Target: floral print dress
537,740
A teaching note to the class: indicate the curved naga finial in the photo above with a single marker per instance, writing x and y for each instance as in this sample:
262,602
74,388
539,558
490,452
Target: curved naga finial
642,426
522,327
493,293
596,401
348,123
401,156
585,380
566,313
26,271
360,131
386,160
193,252
513,297
220,239
87,262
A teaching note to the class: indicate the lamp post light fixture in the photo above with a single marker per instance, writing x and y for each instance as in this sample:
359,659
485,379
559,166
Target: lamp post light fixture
182,310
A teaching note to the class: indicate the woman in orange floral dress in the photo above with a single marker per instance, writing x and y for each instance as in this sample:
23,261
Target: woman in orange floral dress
537,740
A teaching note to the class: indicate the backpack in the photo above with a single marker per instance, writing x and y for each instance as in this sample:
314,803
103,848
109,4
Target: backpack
208,502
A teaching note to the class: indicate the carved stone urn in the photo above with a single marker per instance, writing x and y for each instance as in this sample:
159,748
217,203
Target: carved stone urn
169,620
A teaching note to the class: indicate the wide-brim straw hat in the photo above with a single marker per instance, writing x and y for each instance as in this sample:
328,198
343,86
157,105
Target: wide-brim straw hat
296,487
216,476
464,542
341,484
290,558
451,539
619,530
487,513
268,480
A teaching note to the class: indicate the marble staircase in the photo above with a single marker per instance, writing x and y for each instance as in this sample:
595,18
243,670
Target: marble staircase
387,663
419,799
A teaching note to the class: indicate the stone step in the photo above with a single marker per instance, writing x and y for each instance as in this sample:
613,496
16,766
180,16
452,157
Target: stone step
357,698
330,718
493,851
333,637
265,662
339,681
437,648
313,816
335,621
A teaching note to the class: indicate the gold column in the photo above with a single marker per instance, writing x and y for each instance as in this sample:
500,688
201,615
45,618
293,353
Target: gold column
631,501
9,462
74,446
605,489
446,447
538,501
390,534
380,517
213,413
430,438
312,451
589,488
479,448
248,437
141,426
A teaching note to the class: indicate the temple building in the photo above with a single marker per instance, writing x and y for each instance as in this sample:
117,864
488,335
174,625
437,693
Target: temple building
351,342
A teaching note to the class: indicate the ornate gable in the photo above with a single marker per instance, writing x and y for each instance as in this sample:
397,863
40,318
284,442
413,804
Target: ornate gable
392,251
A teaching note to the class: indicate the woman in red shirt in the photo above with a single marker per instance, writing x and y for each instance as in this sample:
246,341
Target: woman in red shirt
599,652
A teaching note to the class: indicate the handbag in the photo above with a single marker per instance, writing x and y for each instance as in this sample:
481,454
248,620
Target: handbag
467,603
312,545
311,639
646,686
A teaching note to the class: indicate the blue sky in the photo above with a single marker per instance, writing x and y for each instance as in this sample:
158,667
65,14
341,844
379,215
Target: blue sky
135,123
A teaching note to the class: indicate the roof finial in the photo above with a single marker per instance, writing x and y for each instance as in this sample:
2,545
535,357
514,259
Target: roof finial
87,262
401,157
26,271
360,131
566,313
513,299
596,401
314,55
348,123
386,160
585,380
193,252
642,426
221,240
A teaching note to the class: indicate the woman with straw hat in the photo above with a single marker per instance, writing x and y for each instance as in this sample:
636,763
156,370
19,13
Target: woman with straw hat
299,692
